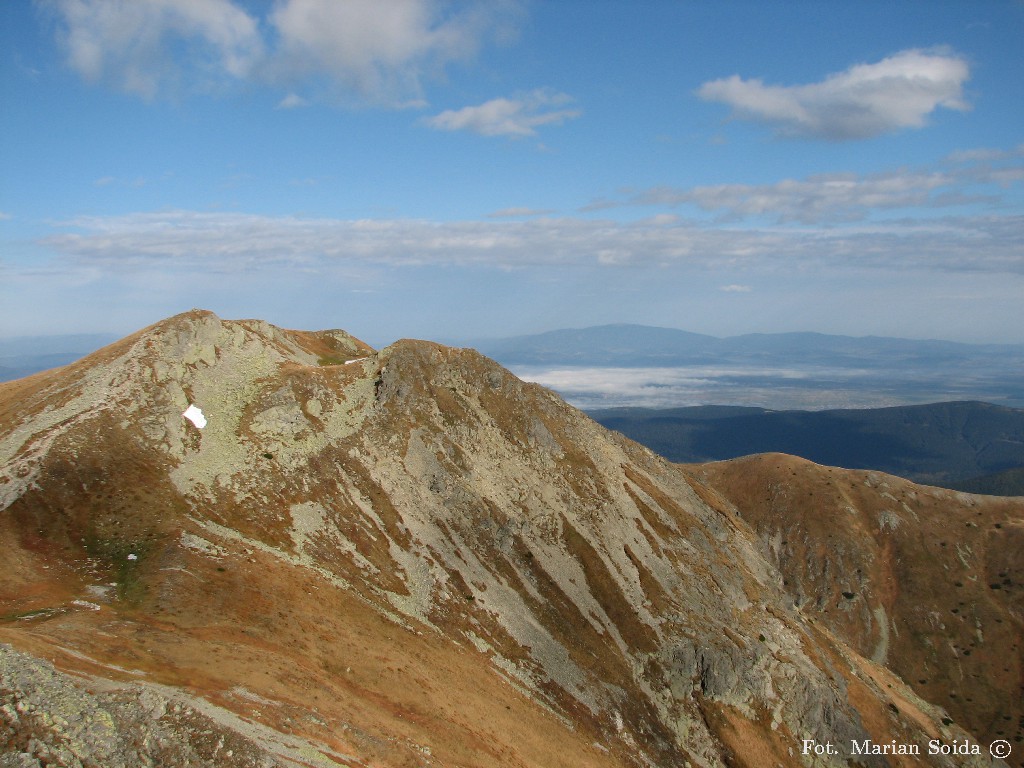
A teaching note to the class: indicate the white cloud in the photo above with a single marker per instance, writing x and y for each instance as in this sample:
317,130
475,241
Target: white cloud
292,101
863,101
231,242
516,117
583,384
841,196
379,50
4,216
735,288
132,43
508,213
838,197
981,155
375,52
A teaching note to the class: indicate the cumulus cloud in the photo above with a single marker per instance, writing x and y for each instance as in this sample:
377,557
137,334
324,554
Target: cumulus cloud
517,117
132,44
373,51
735,288
863,101
380,50
232,242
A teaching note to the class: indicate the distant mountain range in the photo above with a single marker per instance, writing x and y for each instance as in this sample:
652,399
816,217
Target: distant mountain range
626,345
664,367
962,445
22,356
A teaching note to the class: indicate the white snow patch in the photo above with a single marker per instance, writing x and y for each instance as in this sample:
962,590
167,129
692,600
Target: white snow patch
193,414
356,360
86,604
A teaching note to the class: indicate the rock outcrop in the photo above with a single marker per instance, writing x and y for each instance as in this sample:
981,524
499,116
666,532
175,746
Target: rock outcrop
51,718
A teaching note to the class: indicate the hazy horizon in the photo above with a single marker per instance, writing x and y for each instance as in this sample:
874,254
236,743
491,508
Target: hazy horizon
462,340
448,170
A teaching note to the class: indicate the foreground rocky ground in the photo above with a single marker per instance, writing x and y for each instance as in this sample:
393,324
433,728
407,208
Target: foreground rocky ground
410,557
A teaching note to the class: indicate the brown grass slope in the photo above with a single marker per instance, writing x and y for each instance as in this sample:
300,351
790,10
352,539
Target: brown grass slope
410,557
927,581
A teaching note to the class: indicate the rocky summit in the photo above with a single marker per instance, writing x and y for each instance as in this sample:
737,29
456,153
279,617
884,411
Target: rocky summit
229,544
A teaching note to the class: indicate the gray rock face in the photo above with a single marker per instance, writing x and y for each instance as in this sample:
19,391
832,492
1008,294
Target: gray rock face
51,719
48,718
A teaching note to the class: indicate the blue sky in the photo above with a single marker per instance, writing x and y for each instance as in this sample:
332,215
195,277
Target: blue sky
457,170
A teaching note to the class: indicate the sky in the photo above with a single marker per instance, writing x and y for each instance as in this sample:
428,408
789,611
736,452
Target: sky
458,170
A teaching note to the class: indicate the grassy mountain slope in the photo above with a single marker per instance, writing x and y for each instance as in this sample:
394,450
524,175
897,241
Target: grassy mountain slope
910,576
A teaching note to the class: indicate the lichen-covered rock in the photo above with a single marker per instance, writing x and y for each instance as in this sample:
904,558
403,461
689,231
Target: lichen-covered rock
51,719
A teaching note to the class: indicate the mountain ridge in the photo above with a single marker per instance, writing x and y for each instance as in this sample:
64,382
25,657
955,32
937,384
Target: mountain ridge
558,345
409,556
